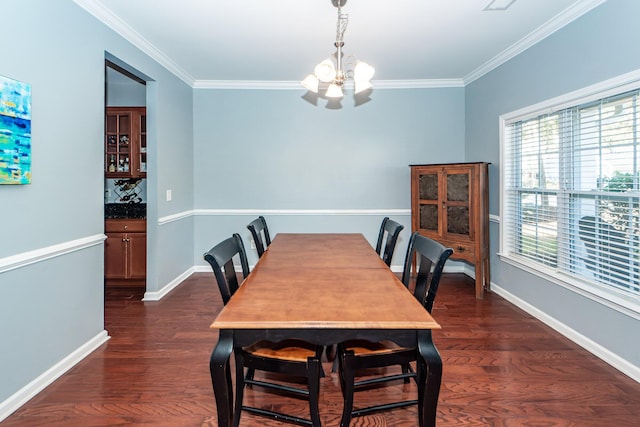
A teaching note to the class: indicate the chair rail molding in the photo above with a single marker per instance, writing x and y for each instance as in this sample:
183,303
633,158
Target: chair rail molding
26,258
282,212
301,212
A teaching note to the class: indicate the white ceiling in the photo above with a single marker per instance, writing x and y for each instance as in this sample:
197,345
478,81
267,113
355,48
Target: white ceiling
210,42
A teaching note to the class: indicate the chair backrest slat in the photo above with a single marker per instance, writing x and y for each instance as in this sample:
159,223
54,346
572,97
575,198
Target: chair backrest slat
430,257
220,257
258,228
385,248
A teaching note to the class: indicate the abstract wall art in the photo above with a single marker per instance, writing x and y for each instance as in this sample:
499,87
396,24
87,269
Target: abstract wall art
15,132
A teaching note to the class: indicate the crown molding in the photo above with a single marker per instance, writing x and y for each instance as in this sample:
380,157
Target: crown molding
247,84
417,83
295,85
567,16
98,10
104,15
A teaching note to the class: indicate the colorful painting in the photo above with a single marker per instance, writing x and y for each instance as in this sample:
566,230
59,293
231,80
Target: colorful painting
15,132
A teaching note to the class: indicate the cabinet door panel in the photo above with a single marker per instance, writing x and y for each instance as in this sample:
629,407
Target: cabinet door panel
458,187
429,217
458,196
141,166
117,143
137,255
125,142
115,256
429,186
458,220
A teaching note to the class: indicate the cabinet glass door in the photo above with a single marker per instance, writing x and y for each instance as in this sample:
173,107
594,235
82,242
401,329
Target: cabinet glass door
428,194
142,160
117,143
457,203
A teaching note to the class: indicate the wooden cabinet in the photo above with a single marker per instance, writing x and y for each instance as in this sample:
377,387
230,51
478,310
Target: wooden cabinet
125,253
125,142
450,204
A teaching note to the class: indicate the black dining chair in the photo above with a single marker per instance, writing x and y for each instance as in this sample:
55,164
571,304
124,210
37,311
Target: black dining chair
387,239
260,233
294,358
357,355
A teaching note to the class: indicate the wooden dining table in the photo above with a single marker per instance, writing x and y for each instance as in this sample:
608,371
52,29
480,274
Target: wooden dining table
323,288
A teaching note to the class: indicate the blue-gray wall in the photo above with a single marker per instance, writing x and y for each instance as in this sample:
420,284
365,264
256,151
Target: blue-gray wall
270,152
125,93
51,245
600,45
227,155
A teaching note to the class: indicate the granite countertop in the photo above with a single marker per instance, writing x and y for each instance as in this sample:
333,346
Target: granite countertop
125,210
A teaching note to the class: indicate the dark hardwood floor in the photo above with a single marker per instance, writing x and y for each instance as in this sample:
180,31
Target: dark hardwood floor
502,368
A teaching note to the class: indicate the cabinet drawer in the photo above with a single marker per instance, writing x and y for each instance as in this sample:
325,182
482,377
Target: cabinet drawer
463,251
125,226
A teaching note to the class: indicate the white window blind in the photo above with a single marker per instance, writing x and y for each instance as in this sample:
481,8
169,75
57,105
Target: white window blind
571,192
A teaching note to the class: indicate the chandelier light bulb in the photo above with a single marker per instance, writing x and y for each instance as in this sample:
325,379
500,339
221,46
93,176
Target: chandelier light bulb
363,71
325,71
334,91
361,85
311,83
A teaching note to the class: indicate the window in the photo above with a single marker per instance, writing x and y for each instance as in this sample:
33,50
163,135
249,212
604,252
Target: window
571,192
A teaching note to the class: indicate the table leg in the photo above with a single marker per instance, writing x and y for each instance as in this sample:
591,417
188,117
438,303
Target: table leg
428,393
221,377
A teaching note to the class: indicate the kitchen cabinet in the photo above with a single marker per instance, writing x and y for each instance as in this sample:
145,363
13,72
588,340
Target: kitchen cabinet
450,204
125,142
125,251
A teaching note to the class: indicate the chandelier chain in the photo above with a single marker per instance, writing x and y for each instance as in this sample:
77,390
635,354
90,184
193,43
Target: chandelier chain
343,20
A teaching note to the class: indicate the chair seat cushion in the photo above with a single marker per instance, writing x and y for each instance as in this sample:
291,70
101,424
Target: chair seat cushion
364,347
292,350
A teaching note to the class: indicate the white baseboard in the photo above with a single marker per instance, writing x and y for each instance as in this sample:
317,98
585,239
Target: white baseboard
158,295
622,365
591,346
22,396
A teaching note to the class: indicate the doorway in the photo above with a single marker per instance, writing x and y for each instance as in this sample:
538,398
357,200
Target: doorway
125,183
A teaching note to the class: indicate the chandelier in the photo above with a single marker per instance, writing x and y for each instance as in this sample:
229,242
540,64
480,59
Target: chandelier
333,72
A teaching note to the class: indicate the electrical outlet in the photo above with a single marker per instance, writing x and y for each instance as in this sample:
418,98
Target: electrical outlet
253,244
168,195
107,193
